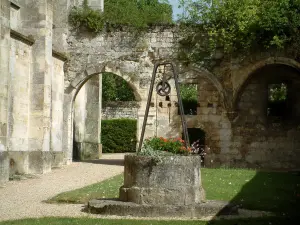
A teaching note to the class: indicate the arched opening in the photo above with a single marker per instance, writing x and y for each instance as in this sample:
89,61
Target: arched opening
119,115
99,100
268,106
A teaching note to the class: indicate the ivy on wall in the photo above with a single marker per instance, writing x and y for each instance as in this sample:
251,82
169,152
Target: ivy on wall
138,14
211,29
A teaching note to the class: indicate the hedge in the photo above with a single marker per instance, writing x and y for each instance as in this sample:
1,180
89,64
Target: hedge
118,135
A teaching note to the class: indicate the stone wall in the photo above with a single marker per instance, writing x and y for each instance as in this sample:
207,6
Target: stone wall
32,90
259,140
18,120
4,73
118,110
218,90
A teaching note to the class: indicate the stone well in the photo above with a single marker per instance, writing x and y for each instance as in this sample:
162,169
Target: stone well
174,180
168,187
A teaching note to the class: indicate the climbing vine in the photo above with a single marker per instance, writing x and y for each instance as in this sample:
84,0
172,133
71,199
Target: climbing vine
138,14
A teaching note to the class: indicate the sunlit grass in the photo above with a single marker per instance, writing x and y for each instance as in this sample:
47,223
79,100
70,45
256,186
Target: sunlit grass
106,189
268,191
88,221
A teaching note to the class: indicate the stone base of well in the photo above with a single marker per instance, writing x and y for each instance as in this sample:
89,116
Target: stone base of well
174,180
168,187
198,211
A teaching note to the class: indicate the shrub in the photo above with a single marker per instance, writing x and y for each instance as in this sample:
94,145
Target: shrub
119,135
138,14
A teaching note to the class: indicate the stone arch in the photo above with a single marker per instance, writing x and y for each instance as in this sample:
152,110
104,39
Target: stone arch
245,77
112,67
193,72
75,86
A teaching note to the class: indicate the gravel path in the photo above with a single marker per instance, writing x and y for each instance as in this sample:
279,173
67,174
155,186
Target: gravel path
23,199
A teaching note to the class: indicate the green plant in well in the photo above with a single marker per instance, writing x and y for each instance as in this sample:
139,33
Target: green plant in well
238,27
168,145
118,135
132,13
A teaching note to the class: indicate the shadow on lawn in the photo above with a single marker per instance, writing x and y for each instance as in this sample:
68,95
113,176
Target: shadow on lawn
115,162
275,192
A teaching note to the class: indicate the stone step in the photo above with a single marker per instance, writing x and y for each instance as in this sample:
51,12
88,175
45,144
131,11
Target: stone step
120,208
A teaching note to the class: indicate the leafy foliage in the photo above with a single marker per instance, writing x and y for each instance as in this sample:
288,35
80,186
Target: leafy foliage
87,17
134,13
277,92
118,135
232,26
189,97
115,88
277,101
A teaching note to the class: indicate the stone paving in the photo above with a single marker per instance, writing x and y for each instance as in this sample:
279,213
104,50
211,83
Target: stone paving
23,199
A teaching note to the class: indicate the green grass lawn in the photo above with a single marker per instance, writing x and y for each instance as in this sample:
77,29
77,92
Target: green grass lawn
86,221
268,191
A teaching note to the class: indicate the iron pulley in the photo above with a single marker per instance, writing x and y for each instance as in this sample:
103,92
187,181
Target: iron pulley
163,88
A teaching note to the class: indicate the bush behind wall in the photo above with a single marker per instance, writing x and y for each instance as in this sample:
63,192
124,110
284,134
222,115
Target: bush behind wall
118,135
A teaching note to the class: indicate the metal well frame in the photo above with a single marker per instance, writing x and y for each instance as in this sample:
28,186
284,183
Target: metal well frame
163,89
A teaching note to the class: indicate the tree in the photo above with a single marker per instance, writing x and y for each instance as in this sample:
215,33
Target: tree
115,88
234,25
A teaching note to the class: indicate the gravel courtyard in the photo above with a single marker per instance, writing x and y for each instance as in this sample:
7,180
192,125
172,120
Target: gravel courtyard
23,199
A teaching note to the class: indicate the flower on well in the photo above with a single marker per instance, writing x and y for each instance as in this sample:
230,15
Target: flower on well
171,145
175,146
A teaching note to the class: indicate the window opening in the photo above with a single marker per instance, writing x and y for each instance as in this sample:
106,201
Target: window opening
277,100
189,95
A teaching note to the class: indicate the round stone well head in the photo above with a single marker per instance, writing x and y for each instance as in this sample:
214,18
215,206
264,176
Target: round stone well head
172,180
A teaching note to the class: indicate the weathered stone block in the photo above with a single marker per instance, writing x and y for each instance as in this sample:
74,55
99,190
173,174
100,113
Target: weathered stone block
39,162
85,151
57,159
18,162
176,180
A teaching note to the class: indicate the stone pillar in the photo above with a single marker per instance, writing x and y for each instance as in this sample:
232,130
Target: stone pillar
68,128
57,113
61,10
100,116
4,74
86,121
40,27
59,133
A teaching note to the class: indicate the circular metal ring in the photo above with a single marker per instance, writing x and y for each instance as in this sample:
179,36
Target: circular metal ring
163,90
